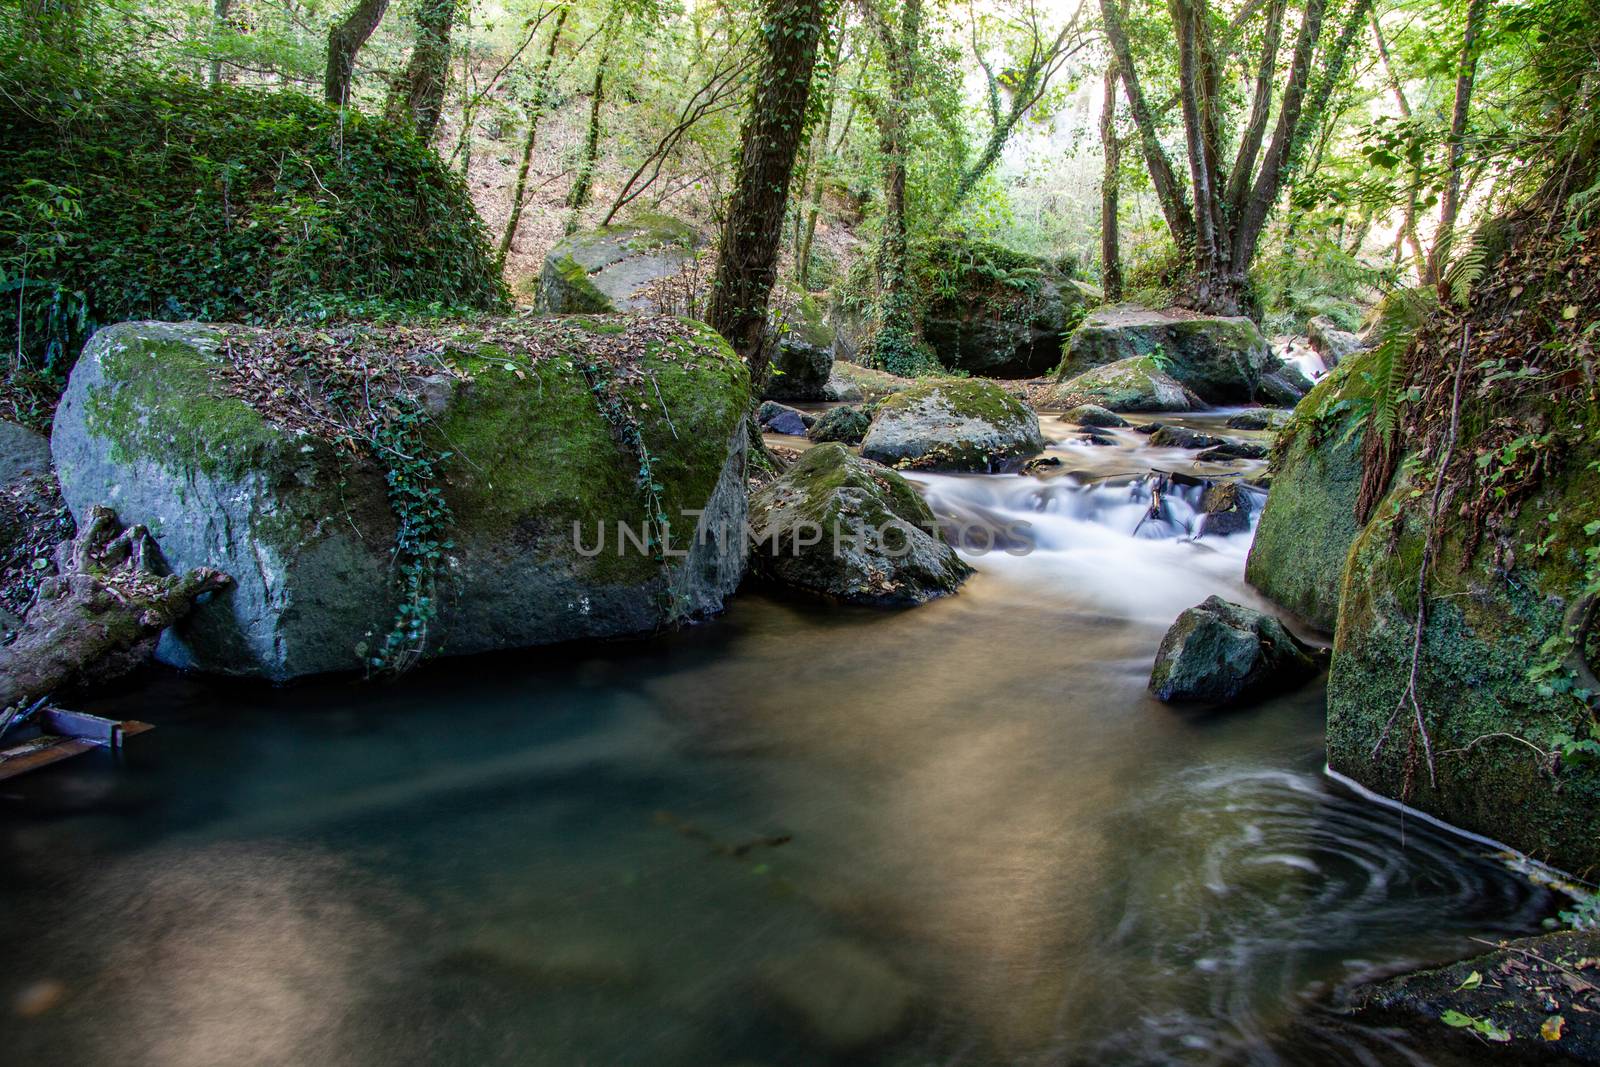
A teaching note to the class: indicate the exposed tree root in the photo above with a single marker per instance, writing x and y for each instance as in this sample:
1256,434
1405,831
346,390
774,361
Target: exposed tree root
101,613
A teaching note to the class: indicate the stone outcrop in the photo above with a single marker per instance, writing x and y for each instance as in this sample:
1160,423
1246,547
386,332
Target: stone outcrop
1222,360
613,268
535,476
1135,384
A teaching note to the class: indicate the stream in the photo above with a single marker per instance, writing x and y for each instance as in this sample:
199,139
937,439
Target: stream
801,834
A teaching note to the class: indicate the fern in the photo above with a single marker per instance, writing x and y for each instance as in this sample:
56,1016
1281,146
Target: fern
1386,378
1463,271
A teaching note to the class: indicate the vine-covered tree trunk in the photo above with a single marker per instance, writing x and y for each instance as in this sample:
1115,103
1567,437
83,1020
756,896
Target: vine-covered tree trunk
1450,204
1110,190
748,251
344,41
101,612
420,93
583,181
896,334
536,109
817,162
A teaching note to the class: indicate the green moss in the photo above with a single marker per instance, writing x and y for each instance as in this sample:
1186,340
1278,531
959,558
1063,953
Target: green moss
966,397
202,427
1487,627
580,295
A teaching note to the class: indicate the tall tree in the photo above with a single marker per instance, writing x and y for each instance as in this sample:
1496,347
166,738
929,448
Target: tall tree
1218,219
536,109
419,95
773,130
1110,190
894,342
1450,205
344,41
813,176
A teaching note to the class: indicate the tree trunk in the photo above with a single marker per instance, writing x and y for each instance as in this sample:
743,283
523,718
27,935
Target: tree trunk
219,19
748,252
420,92
105,606
344,41
541,99
1407,234
1110,190
817,162
583,182
1451,204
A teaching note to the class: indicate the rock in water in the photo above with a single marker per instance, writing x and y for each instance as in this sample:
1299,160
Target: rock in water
802,358
844,996
1330,342
1179,437
1259,419
1283,386
953,424
1225,509
1220,359
613,268
1221,653
537,480
1232,450
851,529
1094,415
845,424
781,418
1309,522
1136,384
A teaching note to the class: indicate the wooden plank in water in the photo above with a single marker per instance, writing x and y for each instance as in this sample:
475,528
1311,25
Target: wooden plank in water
41,752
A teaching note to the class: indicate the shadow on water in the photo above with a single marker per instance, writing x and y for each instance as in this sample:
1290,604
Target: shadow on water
802,834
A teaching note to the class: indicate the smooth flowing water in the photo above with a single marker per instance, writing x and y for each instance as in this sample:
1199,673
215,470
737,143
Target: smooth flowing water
961,834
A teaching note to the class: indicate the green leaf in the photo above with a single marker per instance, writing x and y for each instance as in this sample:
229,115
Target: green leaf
1473,981
1456,1019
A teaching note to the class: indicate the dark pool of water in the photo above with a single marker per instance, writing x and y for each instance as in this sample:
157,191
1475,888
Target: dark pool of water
959,835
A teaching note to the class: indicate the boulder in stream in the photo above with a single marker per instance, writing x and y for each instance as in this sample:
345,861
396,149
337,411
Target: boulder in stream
852,530
1219,652
846,424
802,356
1225,508
168,424
1131,385
1221,359
1094,415
1182,437
1330,342
956,424
781,418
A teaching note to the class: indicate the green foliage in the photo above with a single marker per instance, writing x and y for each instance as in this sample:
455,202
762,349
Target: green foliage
147,197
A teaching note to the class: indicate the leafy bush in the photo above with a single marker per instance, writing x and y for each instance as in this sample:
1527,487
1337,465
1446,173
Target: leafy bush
161,198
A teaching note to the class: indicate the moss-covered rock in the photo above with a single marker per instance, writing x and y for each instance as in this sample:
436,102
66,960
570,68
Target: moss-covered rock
612,268
855,383
1134,384
1493,617
847,425
852,530
1094,415
802,356
186,207
1309,523
1219,652
536,479
953,424
1220,359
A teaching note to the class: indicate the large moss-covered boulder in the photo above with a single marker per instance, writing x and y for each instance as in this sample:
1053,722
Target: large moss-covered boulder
1309,523
614,268
531,423
1220,359
1134,384
1219,652
993,311
221,203
853,530
953,424
1519,600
